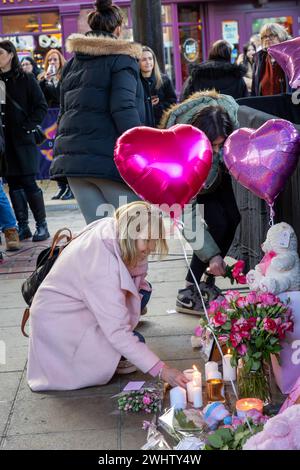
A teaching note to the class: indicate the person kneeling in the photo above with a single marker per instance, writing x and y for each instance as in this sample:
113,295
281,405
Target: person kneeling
83,325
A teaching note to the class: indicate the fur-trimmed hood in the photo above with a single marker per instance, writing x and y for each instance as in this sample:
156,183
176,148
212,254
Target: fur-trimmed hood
217,69
182,113
98,45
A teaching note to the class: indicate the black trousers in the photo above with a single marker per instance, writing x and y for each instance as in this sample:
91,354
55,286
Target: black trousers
27,183
222,217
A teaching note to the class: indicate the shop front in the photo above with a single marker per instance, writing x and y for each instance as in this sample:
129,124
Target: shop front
189,27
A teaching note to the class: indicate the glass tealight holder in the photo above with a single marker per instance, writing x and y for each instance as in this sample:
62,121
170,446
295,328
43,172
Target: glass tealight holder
215,390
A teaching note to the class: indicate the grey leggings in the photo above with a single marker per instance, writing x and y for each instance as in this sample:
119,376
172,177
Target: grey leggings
98,198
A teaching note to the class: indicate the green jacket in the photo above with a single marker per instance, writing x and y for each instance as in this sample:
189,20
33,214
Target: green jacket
203,245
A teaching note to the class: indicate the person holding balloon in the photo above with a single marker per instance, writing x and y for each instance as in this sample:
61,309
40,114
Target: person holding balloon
83,333
216,116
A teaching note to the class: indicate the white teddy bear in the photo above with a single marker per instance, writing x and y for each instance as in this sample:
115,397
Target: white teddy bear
279,270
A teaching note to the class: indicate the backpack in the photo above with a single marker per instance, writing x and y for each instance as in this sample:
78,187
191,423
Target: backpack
44,263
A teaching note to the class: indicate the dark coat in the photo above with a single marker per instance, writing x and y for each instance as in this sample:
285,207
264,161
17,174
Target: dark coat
167,97
258,70
21,153
101,97
224,77
149,111
2,143
51,93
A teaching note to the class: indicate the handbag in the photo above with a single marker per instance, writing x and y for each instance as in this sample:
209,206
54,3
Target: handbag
44,263
39,135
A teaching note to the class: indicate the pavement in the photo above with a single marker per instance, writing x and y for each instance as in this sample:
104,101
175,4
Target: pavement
88,418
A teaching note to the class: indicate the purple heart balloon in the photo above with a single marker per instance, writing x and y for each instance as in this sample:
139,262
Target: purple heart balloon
287,55
262,160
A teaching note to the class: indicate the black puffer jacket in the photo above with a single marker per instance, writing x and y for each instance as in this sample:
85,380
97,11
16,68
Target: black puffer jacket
21,153
224,77
101,97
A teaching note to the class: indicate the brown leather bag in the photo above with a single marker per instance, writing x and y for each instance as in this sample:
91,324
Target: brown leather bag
45,261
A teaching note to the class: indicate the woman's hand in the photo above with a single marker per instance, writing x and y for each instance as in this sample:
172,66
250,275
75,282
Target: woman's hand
217,266
154,100
173,377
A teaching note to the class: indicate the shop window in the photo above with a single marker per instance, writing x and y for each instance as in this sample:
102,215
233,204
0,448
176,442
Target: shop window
190,47
166,14
285,21
169,52
83,27
189,13
20,24
50,21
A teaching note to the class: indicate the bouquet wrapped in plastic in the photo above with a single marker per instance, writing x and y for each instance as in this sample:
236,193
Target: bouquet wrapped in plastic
147,399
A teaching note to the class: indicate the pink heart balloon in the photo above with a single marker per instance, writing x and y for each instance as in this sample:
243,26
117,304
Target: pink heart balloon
262,160
164,166
287,55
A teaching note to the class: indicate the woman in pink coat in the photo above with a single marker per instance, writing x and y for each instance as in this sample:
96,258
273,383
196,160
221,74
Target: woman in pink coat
82,325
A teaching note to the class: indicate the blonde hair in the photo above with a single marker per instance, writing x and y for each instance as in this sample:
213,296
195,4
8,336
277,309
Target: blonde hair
133,220
276,29
156,69
62,62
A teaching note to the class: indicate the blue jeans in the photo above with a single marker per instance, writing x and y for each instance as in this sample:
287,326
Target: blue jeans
7,217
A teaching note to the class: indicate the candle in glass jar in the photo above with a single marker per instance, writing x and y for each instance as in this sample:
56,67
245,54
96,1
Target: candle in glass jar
215,390
246,404
229,372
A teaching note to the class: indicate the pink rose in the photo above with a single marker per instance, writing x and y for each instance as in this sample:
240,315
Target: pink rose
232,295
146,400
242,349
219,319
224,304
251,297
213,307
241,279
235,339
238,269
284,328
269,325
241,302
199,331
268,299
223,339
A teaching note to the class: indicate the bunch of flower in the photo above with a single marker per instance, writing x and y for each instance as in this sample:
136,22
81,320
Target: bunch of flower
147,400
233,437
251,325
236,272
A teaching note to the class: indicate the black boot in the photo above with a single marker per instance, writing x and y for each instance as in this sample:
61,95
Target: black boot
68,194
61,190
36,204
19,203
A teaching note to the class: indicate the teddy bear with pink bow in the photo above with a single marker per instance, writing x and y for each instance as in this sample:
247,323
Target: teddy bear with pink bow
279,270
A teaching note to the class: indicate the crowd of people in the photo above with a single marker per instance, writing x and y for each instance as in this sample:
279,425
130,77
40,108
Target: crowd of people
109,86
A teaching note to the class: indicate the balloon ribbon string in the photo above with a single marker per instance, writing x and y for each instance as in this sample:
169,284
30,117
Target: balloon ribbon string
179,225
272,214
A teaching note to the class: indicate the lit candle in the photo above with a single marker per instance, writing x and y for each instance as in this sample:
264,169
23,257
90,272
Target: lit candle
246,404
229,372
198,402
210,369
178,398
197,378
